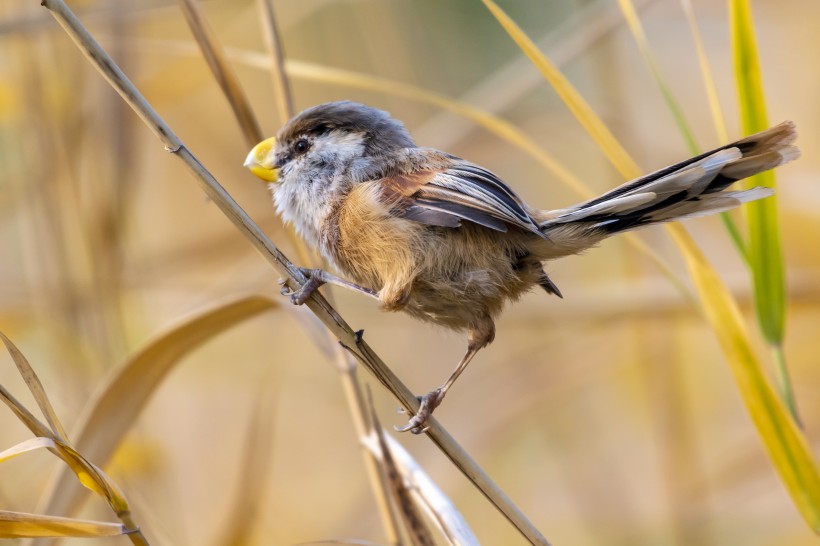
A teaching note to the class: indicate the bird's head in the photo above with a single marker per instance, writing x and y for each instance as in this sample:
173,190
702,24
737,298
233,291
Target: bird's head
325,139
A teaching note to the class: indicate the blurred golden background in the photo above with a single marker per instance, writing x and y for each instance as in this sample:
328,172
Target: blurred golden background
609,417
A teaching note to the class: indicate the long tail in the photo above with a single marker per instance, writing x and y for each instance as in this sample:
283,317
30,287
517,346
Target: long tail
694,187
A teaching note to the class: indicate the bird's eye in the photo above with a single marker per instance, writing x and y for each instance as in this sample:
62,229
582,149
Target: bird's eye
301,146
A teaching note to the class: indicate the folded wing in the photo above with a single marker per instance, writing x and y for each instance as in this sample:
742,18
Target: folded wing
452,191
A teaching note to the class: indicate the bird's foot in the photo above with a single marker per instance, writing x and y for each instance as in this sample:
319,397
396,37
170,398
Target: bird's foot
418,423
300,296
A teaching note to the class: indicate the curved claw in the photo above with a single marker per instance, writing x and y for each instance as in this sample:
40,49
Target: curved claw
418,423
300,296
414,426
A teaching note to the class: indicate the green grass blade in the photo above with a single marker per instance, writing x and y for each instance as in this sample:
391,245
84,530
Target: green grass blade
765,253
631,16
764,240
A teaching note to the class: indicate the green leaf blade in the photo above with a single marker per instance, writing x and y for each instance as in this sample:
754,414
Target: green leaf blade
765,253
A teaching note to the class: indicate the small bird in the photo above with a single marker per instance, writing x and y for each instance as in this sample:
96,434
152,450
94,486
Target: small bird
446,240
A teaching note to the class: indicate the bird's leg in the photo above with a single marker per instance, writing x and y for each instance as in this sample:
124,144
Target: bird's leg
318,277
479,337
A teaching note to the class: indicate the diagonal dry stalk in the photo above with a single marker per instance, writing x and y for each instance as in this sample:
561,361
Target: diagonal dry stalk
350,340
229,83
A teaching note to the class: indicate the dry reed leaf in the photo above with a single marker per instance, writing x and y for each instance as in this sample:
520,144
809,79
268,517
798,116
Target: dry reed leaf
109,416
22,525
35,386
60,445
413,492
27,445
93,478
257,457
430,497
415,525
24,415
89,475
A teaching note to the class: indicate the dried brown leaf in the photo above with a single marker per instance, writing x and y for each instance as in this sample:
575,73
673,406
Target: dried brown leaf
35,386
114,409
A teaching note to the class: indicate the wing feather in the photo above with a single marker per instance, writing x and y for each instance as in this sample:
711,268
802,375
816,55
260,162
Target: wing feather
452,190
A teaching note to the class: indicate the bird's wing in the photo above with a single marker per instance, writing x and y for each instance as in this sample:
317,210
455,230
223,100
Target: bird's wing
448,190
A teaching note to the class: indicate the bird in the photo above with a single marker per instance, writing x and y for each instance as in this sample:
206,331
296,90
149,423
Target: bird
449,242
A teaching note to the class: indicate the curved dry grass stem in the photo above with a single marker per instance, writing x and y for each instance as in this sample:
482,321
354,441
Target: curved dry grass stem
353,342
281,84
221,70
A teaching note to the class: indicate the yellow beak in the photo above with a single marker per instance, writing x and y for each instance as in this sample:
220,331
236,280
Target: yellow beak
260,160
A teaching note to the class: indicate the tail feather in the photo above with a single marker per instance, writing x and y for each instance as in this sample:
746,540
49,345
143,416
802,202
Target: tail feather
691,188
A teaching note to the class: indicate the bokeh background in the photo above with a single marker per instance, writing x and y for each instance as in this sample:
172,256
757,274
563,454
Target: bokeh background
609,417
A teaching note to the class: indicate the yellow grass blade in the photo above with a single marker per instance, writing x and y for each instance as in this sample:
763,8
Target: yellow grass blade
109,416
784,441
22,525
94,478
577,105
706,73
34,385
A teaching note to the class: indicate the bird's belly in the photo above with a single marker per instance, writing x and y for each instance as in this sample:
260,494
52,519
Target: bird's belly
457,288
